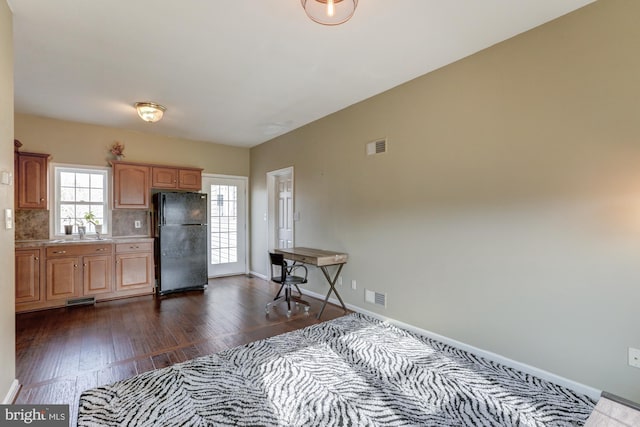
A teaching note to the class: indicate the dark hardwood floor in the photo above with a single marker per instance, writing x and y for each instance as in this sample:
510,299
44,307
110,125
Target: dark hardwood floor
62,352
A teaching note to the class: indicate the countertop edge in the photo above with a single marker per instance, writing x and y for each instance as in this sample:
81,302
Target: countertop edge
23,244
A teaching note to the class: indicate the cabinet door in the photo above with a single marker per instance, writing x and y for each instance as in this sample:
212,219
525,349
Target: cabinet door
27,275
32,181
131,188
134,271
64,278
190,179
97,277
164,177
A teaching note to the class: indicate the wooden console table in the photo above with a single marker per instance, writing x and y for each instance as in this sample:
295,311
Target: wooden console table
319,258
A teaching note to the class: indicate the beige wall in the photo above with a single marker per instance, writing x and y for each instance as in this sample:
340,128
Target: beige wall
78,143
506,213
7,265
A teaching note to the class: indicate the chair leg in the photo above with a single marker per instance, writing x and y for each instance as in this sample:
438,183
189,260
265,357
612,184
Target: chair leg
279,292
288,297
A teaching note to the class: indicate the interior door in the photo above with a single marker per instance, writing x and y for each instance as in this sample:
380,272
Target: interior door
284,211
227,225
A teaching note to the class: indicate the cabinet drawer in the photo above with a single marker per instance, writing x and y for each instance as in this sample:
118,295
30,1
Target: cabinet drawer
75,250
134,247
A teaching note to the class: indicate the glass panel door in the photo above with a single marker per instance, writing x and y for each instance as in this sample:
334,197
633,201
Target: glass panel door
227,230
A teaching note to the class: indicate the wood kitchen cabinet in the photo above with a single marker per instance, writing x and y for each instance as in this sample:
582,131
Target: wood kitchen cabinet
131,185
134,267
31,182
82,270
176,178
64,278
59,274
28,278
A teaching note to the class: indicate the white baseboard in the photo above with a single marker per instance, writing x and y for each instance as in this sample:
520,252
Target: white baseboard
261,276
12,394
540,373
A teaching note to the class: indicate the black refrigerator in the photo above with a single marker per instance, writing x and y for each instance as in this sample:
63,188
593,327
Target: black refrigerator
180,223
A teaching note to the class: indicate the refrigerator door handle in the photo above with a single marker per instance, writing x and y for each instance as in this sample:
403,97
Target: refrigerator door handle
162,205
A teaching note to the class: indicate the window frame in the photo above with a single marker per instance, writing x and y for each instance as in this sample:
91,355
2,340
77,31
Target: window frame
54,219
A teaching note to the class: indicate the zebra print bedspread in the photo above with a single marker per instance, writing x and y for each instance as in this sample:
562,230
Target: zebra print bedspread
353,370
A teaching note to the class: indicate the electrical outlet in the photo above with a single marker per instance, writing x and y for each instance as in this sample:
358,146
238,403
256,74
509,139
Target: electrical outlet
137,224
354,286
634,357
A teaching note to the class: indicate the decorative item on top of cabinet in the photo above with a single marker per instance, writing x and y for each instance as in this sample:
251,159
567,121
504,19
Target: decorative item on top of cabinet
131,189
31,183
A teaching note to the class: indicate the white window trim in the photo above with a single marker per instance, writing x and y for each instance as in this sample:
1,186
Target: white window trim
56,197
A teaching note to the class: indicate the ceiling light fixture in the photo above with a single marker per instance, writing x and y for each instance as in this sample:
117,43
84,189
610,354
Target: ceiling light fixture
330,12
150,111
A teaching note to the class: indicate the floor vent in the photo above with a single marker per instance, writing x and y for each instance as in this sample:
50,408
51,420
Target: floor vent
377,147
377,298
81,301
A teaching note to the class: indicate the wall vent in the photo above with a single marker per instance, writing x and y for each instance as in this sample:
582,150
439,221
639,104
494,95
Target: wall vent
377,298
377,147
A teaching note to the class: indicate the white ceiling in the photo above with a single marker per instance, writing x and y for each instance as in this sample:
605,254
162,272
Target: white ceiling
240,72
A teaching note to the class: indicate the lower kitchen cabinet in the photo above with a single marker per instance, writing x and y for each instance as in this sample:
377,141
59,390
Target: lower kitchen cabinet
97,278
28,277
75,271
63,278
70,273
134,266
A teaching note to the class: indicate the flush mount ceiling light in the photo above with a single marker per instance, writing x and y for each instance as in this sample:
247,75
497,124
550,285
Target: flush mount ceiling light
330,12
150,111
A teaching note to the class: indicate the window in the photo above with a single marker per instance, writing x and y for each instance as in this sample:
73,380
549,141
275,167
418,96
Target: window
224,219
78,191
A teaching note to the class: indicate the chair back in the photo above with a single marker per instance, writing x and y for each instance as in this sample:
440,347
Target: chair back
277,260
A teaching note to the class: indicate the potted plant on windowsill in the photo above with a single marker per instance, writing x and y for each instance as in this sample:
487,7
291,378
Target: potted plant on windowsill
91,219
68,227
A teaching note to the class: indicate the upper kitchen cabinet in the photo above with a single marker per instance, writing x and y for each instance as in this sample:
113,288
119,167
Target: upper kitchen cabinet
176,178
31,185
190,179
162,177
131,189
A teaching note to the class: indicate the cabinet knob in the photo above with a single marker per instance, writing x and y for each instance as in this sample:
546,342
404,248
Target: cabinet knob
59,252
75,265
84,265
35,258
101,249
42,199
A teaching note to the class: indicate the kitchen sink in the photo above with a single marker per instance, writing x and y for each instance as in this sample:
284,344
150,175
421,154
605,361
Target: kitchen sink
80,240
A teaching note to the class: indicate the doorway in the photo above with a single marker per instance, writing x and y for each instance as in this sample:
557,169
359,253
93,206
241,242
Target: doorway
227,237
280,189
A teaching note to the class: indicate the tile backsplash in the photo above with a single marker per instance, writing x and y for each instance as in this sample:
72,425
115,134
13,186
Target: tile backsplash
124,220
32,224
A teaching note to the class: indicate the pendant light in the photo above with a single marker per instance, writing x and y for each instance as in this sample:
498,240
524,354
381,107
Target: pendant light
150,111
330,12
